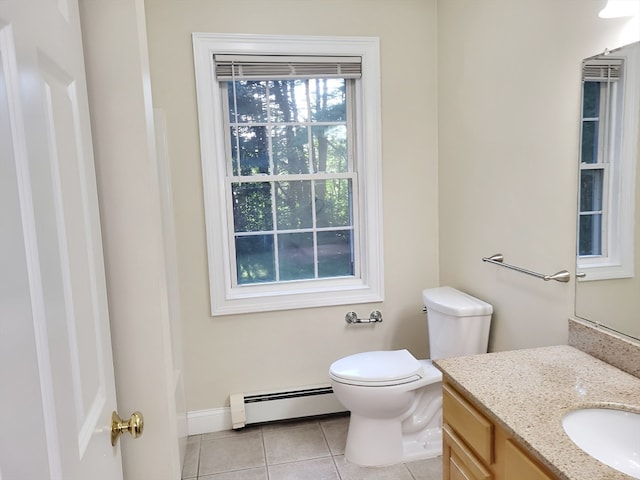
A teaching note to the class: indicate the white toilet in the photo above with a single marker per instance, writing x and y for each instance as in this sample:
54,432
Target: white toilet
395,400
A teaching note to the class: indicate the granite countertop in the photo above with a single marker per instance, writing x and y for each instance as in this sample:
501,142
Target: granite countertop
527,392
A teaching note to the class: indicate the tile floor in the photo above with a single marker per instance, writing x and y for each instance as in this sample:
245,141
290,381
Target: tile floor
311,449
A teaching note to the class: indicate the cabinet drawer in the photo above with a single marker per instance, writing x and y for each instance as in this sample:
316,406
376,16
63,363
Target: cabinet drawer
468,422
461,463
519,465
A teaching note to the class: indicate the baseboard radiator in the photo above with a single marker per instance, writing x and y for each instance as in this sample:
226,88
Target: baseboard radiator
259,407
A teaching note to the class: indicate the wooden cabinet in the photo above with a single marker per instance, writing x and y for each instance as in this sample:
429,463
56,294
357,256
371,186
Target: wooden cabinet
475,448
459,461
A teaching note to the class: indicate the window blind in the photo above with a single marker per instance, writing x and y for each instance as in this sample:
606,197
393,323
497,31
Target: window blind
602,70
279,67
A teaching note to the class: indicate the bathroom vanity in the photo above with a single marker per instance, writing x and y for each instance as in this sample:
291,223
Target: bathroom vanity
503,411
476,448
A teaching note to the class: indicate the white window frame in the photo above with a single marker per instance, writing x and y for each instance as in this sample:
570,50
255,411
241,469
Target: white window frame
366,287
620,201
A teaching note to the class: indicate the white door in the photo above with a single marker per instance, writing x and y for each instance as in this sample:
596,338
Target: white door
56,371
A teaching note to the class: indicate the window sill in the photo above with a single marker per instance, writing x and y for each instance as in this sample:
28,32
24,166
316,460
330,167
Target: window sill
604,271
341,292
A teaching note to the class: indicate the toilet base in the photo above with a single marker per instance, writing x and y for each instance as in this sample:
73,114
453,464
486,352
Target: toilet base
391,446
428,444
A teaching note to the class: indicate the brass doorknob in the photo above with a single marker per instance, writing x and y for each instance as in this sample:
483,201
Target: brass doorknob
135,426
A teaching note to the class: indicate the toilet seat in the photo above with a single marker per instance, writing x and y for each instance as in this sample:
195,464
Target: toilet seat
377,369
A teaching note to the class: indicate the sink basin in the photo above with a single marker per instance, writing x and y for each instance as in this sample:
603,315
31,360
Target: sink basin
611,436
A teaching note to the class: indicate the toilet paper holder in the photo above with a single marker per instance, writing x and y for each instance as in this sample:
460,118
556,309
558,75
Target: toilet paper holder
374,317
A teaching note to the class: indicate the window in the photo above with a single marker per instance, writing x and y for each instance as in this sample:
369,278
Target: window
290,143
290,176
607,167
599,147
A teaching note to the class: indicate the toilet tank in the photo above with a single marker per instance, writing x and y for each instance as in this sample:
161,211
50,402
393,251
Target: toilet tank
458,323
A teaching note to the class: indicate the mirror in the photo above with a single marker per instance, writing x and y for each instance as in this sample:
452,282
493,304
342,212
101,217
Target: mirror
609,197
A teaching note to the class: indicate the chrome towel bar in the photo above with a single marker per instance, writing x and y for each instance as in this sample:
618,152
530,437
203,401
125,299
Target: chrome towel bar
498,259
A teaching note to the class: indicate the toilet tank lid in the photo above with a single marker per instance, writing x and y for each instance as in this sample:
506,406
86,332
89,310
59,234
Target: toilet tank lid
450,301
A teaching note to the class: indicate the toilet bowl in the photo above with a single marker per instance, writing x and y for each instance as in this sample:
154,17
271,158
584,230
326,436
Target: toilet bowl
395,400
395,403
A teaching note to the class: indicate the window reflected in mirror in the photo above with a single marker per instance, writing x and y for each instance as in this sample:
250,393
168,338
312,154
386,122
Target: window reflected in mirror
606,172
600,146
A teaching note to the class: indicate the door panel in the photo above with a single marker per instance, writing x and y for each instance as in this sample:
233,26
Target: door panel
75,277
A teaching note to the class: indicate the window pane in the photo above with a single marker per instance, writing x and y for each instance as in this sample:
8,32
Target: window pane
252,207
270,134
293,205
591,182
591,100
254,150
295,253
333,203
251,101
328,99
290,149
335,254
255,259
330,148
590,235
289,101
589,152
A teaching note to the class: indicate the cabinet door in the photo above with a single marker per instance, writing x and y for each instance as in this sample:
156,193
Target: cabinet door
469,423
459,462
519,466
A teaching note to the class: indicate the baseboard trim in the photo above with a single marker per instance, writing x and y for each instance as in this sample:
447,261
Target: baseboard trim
208,421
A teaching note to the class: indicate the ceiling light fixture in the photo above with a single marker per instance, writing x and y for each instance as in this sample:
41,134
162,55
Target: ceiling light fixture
620,8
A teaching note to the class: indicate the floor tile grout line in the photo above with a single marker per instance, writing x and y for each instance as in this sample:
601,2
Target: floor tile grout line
333,457
300,460
199,455
198,459
335,465
264,452
409,470
324,437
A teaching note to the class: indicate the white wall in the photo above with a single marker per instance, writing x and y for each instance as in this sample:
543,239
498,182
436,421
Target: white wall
509,100
225,355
